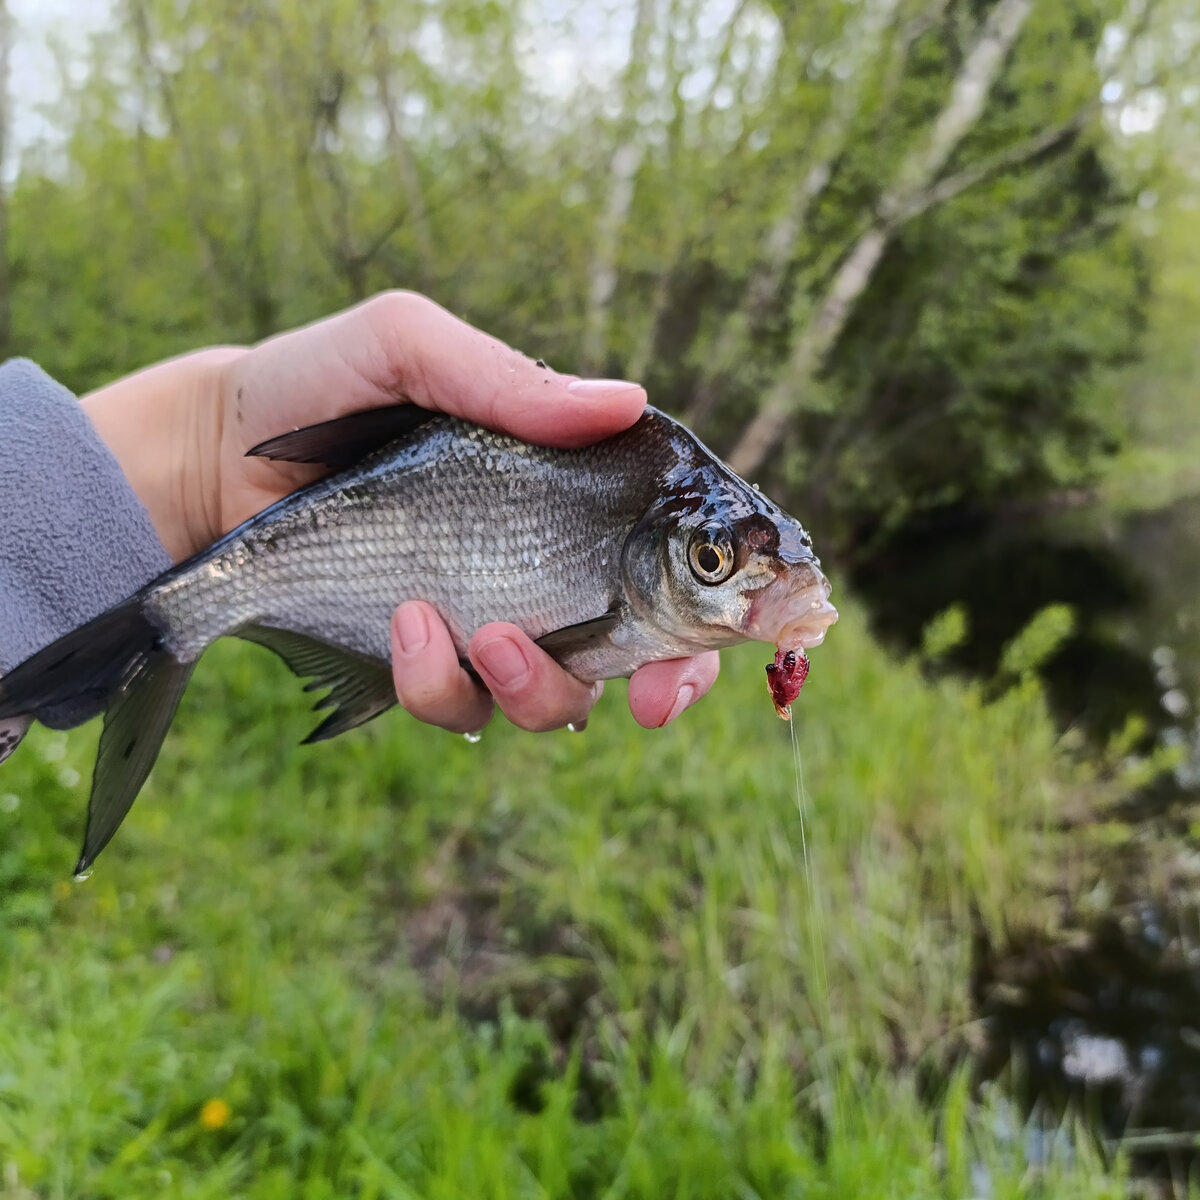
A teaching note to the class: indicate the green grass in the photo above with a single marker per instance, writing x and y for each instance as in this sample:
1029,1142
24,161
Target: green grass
573,965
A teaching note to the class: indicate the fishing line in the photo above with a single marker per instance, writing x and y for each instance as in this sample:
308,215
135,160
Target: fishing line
825,1063
815,924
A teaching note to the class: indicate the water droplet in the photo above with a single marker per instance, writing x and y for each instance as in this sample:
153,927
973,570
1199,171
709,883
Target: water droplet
577,726
474,738
84,875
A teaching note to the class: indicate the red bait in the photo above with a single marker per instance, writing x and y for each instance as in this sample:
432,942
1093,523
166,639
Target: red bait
785,678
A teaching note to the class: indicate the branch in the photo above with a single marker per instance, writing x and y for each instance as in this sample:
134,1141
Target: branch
220,263
962,110
623,168
406,170
968,95
763,288
723,60
660,304
6,40
1056,137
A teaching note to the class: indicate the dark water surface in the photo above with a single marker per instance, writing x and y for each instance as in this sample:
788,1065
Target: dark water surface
1106,1027
1105,1023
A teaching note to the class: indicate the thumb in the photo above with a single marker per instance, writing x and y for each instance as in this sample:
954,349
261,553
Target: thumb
404,345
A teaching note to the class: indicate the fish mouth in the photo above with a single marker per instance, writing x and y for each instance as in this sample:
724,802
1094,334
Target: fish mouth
809,631
792,619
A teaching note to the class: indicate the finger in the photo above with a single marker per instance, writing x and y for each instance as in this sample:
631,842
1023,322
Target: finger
660,691
405,345
532,690
430,682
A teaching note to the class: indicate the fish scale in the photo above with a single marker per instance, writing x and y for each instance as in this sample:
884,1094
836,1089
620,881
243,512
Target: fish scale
482,526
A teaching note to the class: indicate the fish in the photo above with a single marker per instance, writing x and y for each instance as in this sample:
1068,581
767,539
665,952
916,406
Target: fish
641,547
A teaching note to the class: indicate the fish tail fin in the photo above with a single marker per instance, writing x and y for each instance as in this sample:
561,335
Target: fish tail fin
135,723
116,663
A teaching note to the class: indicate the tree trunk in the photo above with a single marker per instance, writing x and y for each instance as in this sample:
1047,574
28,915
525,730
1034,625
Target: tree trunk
765,285
916,176
6,40
622,172
406,169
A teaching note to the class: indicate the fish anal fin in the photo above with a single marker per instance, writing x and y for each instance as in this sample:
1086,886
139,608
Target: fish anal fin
135,723
359,687
345,440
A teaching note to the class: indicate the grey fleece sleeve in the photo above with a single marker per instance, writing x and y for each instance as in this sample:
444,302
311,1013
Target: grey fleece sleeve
74,538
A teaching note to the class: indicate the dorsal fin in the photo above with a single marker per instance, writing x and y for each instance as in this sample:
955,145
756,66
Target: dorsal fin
345,440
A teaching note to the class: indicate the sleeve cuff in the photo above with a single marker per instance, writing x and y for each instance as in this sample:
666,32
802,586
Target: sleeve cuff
74,538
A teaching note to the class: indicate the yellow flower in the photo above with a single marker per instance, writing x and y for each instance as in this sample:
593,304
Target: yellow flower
214,1114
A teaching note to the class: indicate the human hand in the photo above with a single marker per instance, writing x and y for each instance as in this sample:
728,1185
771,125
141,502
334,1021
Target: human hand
180,431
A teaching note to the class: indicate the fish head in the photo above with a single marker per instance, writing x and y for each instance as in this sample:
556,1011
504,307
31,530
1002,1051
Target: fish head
714,562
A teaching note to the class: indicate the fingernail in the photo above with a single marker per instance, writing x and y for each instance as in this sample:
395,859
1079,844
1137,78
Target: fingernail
502,659
683,697
412,628
600,389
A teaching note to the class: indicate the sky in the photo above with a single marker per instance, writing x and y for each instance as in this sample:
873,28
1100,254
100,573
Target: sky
589,44
35,79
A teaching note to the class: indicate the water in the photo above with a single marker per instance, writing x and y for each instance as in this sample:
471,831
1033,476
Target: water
84,875
1107,1022
1103,1026
474,738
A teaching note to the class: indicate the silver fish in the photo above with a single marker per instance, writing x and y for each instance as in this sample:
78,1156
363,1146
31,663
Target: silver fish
644,546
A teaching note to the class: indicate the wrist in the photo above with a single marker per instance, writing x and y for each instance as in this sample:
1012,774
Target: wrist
163,426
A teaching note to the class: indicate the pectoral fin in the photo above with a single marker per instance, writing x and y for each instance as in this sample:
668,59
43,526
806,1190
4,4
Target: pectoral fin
360,687
572,640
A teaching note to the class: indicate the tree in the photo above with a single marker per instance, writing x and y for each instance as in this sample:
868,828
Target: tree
6,41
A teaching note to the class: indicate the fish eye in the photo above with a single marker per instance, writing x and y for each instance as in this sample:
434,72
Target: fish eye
711,555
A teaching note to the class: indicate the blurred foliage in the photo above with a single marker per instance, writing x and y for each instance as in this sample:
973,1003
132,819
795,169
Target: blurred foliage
580,965
1038,641
679,207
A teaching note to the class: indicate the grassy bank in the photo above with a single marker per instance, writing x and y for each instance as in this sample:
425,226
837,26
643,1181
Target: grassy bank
572,965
